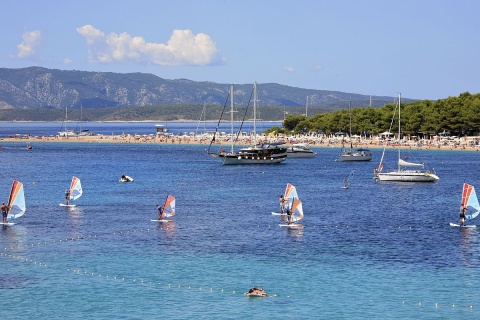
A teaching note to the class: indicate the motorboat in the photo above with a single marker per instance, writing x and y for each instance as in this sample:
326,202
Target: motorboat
300,150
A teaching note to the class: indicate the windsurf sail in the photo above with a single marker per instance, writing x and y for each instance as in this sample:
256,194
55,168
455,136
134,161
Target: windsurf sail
297,210
16,202
470,200
169,207
75,189
290,193
348,181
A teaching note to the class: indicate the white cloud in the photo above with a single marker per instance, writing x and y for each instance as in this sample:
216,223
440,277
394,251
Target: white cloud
67,61
31,40
289,69
183,48
318,67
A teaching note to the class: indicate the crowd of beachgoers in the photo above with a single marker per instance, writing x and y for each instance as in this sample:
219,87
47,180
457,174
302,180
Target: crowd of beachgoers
314,140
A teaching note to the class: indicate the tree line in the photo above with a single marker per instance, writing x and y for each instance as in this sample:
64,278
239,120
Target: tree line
455,115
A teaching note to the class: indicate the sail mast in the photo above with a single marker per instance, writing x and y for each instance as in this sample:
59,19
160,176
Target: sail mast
306,108
255,113
350,109
231,114
399,128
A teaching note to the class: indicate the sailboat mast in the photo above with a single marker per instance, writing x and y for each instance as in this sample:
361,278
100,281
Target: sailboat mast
255,113
350,109
231,114
66,117
399,128
306,108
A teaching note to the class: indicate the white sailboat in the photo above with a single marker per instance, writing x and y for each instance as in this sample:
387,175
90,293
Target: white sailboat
168,210
73,193
403,173
355,154
16,203
66,133
259,153
469,201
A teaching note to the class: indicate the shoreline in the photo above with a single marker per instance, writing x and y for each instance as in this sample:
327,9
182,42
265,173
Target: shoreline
313,142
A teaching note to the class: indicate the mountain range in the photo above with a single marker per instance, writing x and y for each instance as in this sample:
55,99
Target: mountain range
41,88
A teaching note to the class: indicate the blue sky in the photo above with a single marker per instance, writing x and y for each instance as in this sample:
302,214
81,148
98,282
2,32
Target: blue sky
423,49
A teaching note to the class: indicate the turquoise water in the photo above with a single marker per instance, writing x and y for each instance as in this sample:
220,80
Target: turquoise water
376,250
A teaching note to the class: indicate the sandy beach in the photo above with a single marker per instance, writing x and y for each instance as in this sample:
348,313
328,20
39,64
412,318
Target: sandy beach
464,143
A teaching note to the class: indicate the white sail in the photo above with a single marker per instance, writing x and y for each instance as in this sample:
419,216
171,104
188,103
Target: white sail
16,202
75,189
409,164
297,210
169,207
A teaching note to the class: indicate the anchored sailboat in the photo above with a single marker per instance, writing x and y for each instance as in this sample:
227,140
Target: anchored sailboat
259,153
470,202
16,203
66,133
168,209
402,174
355,154
73,193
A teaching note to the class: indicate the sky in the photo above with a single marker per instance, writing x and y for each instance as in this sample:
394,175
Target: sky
423,49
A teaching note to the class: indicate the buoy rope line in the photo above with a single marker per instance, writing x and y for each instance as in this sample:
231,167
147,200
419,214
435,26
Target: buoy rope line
166,284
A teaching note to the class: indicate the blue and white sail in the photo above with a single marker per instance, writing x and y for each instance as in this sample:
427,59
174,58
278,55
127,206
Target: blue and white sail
470,200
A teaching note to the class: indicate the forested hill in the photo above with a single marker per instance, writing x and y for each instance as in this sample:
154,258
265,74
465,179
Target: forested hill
457,116
40,88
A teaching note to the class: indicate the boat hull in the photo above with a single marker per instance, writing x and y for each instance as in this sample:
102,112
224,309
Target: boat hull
230,159
355,158
356,155
300,151
301,154
408,176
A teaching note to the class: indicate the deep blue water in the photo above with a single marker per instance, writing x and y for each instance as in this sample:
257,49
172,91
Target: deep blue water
376,250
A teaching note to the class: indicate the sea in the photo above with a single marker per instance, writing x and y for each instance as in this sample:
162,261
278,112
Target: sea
377,250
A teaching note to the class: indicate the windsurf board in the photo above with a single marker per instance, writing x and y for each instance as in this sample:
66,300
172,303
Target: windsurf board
465,226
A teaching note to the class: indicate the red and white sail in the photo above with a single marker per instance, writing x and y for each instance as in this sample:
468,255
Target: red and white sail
16,201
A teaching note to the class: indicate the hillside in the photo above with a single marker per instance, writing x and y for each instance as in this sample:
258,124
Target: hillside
37,87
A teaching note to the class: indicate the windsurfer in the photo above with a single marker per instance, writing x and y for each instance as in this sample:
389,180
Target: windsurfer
281,200
289,215
160,212
463,219
4,212
67,196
